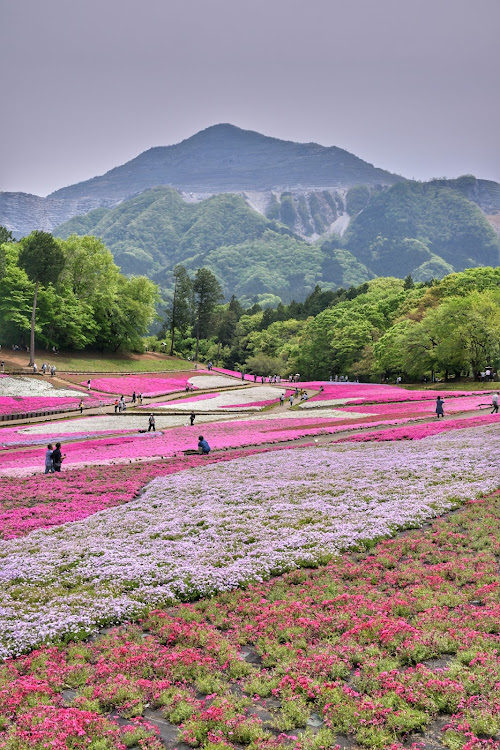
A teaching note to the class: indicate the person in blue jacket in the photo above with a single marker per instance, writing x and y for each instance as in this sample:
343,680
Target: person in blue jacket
203,446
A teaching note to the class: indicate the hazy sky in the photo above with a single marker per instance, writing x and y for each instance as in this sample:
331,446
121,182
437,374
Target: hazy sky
409,85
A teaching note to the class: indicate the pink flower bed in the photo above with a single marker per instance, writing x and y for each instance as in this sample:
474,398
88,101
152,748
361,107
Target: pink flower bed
452,405
25,404
146,384
233,373
420,431
365,392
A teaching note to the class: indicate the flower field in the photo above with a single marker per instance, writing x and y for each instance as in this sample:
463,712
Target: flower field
364,393
148,385
25,394
397,643
245,399
201,531
272,596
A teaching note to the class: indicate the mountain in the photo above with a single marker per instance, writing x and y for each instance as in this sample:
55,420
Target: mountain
220,159
424,229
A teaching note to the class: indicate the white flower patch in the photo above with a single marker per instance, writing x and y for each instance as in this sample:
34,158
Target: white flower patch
249,395
324,402
26,386
213,381
109,424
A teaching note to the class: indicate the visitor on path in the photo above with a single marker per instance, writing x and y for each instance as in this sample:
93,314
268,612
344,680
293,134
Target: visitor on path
49,464
291,399
134,398
203,446
53,370
44,368
152,423
187,388
35,369
58,457
2,365
140,398
255,378
116,405
88,385
192,417
439,407
494,403
80,406
262,380
282,399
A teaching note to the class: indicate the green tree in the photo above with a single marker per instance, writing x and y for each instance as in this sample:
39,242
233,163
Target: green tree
5,237
180,312
42,259
207,294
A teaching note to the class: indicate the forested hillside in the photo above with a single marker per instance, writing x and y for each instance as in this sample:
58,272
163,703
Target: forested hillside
386,327
426,230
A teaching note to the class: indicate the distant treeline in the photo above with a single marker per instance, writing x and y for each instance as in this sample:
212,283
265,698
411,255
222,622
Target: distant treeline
386,327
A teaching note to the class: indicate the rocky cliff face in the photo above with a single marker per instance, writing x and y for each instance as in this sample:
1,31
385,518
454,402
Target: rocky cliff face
21,212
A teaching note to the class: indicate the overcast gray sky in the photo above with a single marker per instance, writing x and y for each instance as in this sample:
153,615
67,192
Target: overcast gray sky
409,85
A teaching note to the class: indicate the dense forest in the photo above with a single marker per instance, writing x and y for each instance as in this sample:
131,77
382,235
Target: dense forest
386,327
84,302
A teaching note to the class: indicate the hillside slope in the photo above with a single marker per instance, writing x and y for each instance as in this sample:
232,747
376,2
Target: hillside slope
423,229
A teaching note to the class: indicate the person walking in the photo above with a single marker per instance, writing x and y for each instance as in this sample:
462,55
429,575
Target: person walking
291,399
80,406
88,385
203,446
44,368
134,398
116,405
152,423
2,365
439,407
494,403
192,417
53,370
58,457
49,464
35,369
140,398
282,399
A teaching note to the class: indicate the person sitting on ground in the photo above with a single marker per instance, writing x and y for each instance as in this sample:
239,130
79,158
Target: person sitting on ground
203,446
57,457
151,422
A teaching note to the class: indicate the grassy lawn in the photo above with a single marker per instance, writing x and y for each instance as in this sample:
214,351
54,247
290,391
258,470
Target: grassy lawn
85,362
